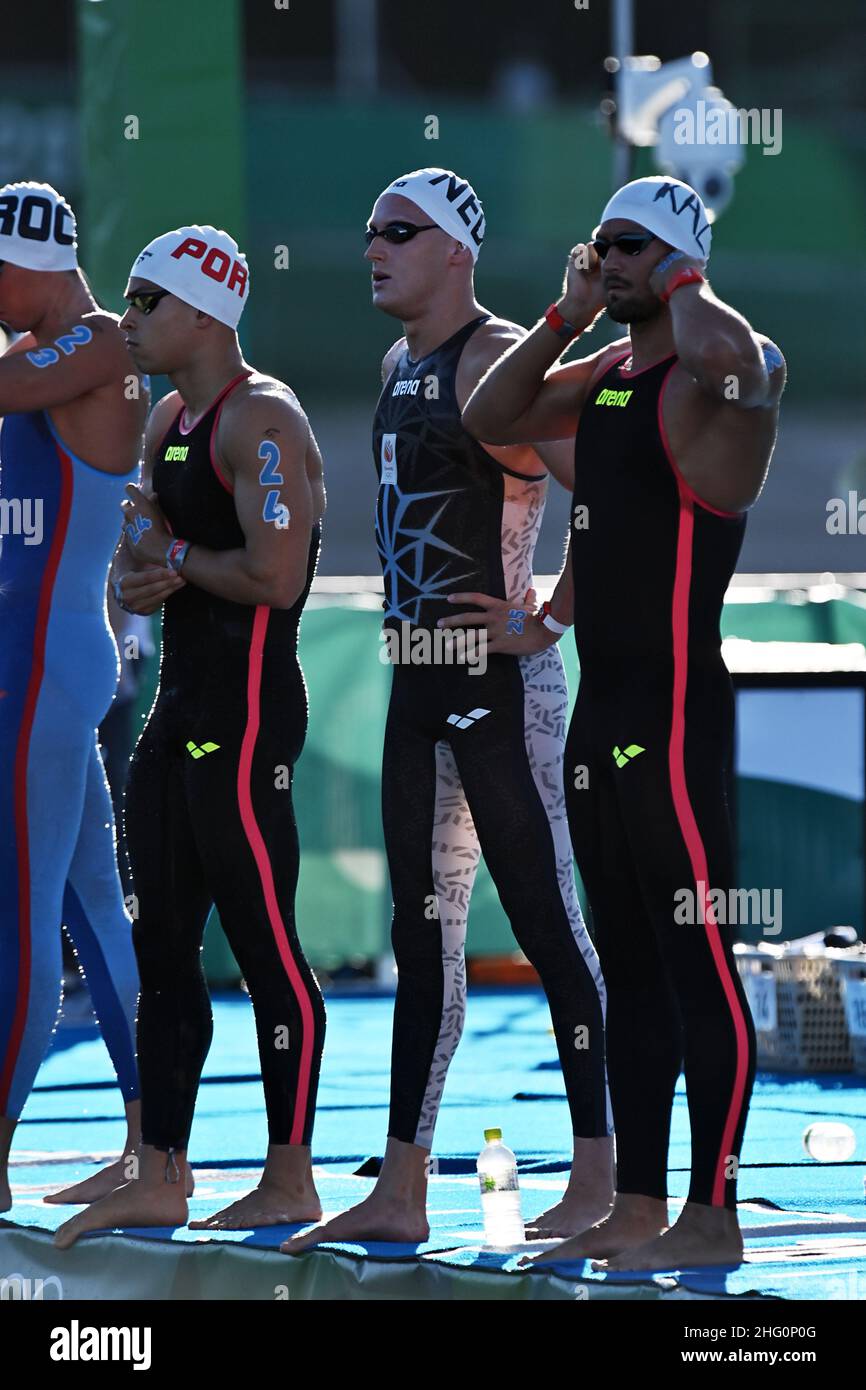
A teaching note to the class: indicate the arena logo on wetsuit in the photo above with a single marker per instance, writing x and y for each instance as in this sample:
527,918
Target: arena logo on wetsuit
608,397
274,510
46,357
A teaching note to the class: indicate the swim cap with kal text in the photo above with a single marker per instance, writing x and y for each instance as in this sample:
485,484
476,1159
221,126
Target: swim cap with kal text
668,208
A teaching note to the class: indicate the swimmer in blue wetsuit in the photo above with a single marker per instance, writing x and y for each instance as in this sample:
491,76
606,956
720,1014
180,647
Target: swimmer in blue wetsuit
70,443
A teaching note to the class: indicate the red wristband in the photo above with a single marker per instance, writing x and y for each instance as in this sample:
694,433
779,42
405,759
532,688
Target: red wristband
690,275
560,326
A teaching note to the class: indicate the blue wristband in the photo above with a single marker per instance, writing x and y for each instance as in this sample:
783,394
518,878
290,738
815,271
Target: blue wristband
669,260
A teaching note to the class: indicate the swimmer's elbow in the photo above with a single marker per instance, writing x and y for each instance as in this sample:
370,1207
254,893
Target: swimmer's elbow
283,591
279,595
267,587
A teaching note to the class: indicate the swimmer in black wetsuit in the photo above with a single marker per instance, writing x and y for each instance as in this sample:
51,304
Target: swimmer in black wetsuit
226,532
675,427
473,752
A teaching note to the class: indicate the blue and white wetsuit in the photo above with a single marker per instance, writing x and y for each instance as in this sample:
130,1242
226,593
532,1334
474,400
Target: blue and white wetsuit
59,522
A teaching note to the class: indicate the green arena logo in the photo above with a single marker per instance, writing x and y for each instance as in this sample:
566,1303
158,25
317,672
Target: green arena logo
176,453
197,752
608,397
623,757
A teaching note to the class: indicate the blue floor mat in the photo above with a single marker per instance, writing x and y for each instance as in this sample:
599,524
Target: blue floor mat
505,1074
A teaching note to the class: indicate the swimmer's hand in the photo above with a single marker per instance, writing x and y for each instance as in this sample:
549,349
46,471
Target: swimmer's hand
146,590
146,530
583,297
510,623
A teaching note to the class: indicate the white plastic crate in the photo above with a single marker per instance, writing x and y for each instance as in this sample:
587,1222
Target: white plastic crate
850,968
796,997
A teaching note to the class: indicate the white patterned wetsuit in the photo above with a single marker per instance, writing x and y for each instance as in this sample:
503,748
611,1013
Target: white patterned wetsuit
473,761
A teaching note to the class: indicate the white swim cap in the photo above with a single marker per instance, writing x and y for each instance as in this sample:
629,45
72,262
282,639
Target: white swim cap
449,201
202,266
37,227
668,208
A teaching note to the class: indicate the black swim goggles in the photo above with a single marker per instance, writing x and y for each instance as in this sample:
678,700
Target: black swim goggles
632,243
145,301
398,232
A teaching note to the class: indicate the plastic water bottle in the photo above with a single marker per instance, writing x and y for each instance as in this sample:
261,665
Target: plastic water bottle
829,1141
500,1193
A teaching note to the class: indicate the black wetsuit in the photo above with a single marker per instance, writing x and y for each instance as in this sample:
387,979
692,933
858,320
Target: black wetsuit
648,763
470,759
209,819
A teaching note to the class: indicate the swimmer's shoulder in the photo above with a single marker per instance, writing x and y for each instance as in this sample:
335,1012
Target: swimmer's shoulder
104,328
160,420
392,357
261,403
258,388
774,361
97,332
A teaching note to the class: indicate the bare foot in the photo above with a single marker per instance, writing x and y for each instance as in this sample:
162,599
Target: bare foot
633,1221
132,1204
376,1218
575,1213
702,1236
101,1184
267,1205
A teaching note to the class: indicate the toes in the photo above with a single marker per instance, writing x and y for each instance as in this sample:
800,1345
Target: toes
65,1235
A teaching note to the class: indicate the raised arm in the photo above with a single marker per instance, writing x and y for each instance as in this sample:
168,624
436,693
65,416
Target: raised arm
523,398
716,345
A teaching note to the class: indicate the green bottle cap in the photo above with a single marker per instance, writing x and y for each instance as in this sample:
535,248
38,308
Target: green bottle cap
491,1134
